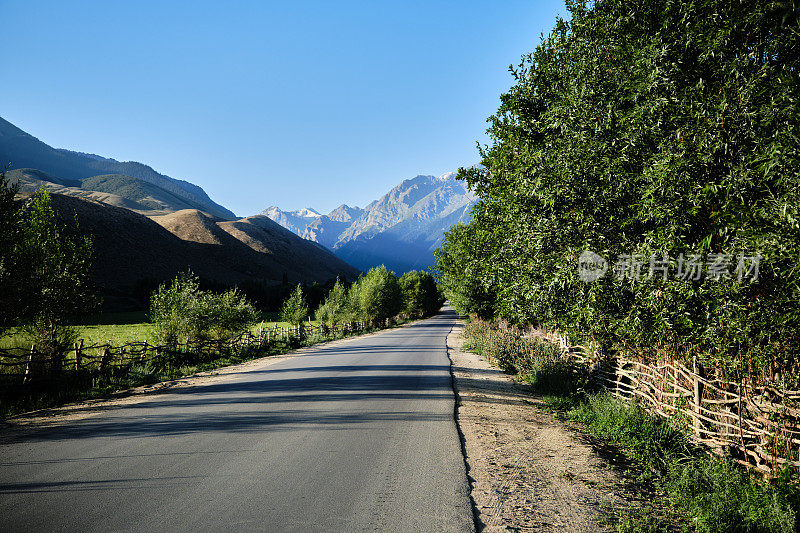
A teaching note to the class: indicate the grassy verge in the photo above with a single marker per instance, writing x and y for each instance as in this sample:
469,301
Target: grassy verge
122,328
86,386
702,492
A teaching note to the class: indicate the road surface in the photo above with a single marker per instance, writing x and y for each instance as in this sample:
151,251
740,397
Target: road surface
357,435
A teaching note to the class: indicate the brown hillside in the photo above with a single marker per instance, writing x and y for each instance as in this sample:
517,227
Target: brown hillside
191,225
131,249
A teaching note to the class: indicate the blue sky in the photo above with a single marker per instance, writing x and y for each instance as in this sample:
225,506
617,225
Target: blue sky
292,104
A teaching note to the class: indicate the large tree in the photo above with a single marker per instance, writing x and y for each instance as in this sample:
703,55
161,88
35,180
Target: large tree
642,128
9,231
377,295
50,281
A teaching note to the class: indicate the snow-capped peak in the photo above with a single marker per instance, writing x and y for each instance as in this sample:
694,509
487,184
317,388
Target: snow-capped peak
307,212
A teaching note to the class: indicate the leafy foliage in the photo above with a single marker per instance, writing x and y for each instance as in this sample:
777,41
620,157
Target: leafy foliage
295,309
646,128
51,277
461,270
335,309
421,296
379,295
376,295
182,312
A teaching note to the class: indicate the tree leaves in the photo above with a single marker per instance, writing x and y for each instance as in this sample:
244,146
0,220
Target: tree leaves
638,128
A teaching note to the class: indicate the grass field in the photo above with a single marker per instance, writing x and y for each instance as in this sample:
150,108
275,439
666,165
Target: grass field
120,329
123,328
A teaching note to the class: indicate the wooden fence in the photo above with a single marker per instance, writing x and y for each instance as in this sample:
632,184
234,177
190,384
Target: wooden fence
757,425
22,366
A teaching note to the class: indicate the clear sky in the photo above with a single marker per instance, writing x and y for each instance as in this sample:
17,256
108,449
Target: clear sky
292,104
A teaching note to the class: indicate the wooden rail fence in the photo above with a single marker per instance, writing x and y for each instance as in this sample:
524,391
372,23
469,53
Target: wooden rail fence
23,366
757,425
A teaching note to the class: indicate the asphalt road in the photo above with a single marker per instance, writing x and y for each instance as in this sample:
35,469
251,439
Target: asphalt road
354,436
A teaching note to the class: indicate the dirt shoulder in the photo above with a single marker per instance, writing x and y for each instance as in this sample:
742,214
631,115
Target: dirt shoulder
528,470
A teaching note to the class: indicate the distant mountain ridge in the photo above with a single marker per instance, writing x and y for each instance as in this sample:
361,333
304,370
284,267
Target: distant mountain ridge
24,151
295,221
401,229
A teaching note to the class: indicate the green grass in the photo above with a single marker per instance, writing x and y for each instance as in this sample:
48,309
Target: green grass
703,492
715,494
121,328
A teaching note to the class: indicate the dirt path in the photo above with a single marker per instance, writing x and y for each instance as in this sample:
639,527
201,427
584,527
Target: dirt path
528,470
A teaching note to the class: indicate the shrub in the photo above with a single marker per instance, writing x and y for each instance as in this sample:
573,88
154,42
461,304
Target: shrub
536,360
182,312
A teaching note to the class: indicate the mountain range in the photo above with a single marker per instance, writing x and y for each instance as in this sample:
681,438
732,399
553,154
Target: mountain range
401,229
72,169
147,227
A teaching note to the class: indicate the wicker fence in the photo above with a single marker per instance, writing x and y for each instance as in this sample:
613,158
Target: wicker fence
21,366
757,425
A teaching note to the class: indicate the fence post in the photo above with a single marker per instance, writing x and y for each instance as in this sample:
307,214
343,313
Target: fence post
104,358
27,376
697,372
78,355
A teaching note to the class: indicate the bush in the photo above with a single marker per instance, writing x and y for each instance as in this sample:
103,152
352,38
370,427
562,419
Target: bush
182,312
536,360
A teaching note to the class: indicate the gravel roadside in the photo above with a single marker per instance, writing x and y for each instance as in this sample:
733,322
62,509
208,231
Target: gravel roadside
528,471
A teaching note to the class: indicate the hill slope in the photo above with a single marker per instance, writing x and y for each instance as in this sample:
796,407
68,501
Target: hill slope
22,150
132,250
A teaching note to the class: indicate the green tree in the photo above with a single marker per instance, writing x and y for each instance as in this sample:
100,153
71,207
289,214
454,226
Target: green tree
51,278
462,270
377,295
643,128
421,296
227,313
175,309
295,309
335,309
9,233
182,312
